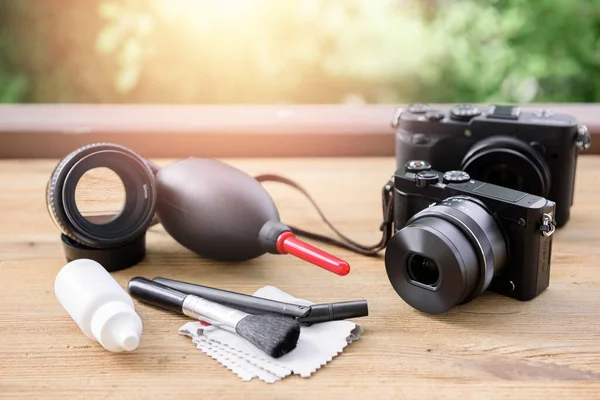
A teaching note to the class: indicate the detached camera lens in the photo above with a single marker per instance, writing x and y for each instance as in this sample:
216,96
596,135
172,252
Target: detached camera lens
102,196
446,255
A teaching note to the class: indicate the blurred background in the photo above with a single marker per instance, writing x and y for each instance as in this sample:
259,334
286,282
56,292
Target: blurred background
299,51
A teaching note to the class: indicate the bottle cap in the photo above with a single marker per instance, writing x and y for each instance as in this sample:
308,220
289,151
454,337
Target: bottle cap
116,326
99,305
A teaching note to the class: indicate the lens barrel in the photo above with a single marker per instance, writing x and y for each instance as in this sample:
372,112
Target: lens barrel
446,255
128,228
508,162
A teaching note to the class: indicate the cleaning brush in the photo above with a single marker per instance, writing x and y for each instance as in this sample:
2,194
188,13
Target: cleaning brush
275,335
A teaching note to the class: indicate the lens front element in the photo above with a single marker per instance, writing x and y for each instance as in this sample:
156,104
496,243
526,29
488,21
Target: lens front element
422,271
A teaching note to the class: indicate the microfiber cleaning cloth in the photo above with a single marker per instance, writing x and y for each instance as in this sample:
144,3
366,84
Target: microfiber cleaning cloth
317,345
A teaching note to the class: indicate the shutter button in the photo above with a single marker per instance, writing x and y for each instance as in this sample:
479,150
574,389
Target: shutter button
425,178
435,115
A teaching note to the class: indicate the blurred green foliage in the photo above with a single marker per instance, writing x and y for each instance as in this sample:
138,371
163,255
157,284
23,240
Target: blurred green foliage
299,51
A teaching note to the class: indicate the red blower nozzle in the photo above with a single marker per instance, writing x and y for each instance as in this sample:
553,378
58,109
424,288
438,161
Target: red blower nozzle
277,238
287,243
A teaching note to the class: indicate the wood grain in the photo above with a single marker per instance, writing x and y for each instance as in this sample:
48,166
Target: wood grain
493,347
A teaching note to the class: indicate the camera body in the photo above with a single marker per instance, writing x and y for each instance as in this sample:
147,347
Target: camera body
446,218
533,152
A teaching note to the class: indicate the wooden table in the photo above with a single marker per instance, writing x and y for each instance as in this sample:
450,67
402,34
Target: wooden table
493,347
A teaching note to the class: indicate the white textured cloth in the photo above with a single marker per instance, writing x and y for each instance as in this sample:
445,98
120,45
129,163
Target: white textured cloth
317,345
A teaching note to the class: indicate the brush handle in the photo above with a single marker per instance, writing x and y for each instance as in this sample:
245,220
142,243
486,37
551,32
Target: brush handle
240,301
170,299
306,315
213,313
156,294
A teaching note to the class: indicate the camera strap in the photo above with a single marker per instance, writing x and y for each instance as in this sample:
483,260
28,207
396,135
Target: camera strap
344,241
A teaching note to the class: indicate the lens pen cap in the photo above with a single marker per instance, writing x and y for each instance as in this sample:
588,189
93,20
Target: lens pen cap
112,259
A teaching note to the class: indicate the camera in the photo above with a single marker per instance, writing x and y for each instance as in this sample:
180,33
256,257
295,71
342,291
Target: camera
532,152
456,237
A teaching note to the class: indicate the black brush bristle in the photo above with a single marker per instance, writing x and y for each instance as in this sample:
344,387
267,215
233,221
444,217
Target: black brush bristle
273,334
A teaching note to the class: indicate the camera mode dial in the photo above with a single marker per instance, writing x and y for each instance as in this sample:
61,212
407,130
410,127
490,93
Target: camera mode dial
456,177
418,108
464,112
543,113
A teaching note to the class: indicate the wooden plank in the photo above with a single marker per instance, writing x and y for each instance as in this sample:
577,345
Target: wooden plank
50,131
493,347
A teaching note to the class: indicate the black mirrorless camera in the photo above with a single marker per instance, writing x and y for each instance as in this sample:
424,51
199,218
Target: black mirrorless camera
456,237
533,152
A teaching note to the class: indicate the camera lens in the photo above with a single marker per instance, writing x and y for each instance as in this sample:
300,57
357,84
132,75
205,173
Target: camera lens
102,196
422,270
447,254
509,162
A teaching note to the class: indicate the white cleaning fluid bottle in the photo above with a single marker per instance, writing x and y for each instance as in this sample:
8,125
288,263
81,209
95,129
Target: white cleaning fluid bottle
99,305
